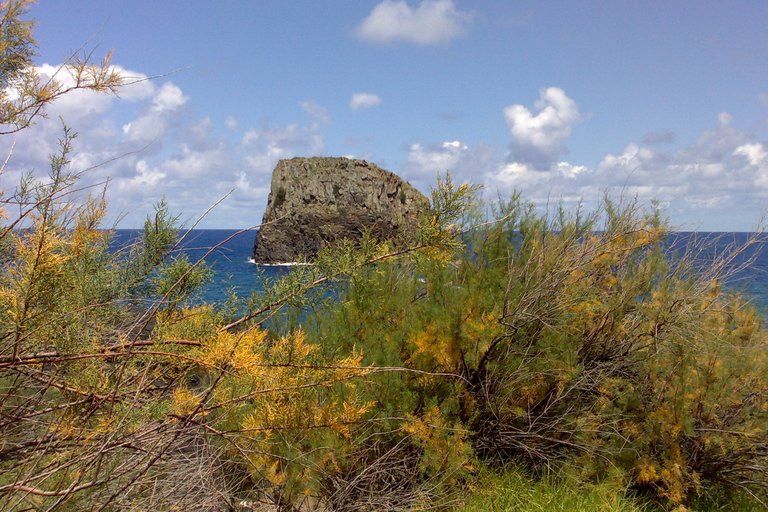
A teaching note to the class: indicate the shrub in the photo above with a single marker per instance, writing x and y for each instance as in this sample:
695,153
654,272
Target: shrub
577,341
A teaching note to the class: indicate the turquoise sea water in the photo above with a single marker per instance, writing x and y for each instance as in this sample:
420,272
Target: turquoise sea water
233,268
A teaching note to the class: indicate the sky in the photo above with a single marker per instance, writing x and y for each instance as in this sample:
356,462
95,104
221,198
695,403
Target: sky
564,101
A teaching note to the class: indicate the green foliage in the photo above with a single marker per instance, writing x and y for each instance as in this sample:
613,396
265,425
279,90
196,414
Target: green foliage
515,491
279,197
17,43
575,341
23,95
76,391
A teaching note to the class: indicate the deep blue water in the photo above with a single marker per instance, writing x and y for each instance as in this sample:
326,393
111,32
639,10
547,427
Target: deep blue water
230,261
232,267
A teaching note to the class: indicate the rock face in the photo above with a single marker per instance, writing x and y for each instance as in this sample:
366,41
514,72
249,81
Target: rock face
314,201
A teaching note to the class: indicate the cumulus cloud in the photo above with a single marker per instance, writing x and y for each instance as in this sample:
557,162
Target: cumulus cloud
436,159
318,112
659,138
155,116
568,170
169,97
537,138
755,153
144,177
290,139
79,104
466,164
433,22
364,100
148,144
721,171
265,146
720,178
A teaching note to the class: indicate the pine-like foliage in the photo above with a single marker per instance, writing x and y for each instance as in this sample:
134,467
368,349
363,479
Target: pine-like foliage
582,342
374,379
112,387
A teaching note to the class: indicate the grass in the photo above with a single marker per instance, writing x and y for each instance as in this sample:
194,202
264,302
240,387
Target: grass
716,499
513,491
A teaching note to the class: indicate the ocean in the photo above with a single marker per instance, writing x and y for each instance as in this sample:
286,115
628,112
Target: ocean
234,269
231,261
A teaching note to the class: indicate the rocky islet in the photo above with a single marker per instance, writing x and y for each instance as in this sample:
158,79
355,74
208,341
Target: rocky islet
320,200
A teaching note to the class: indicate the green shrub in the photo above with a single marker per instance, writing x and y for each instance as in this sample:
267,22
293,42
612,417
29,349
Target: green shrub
579,341
575,342
279,197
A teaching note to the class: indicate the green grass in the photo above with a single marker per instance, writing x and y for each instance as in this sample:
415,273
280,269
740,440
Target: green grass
715,499
513,491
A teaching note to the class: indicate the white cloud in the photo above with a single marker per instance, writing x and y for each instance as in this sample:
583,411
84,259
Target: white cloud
720,178
199,133
723,172
138,85
169,97
433,22
186,160
291,139
76,104
631,159
436,159
757,156
263,147
153,119
318,112
570,171
189,164
537,139
146,177
718,171
725,118
519,176
466,164
755,153
364,100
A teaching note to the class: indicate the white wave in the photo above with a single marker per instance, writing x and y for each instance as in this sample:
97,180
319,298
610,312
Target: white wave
287,264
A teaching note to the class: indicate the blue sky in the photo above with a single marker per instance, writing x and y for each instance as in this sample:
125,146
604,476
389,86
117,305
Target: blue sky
562,100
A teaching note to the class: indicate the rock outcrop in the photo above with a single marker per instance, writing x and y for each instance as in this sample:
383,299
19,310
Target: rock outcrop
315,201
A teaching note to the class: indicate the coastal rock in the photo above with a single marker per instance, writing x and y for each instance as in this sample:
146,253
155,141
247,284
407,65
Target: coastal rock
315,201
